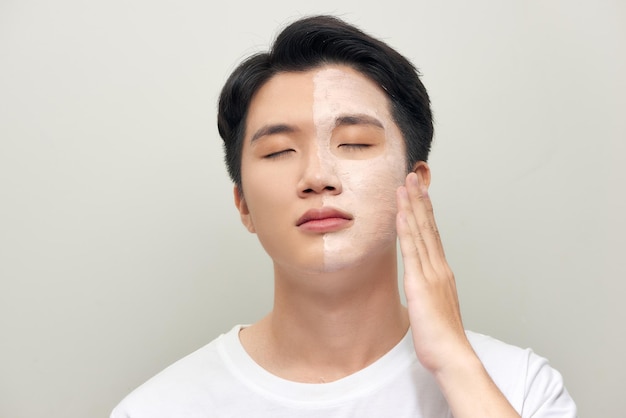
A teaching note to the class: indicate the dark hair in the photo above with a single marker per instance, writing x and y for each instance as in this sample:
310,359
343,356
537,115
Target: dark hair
315,41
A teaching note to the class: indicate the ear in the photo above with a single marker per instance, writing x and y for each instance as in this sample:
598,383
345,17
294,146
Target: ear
242,207
422,170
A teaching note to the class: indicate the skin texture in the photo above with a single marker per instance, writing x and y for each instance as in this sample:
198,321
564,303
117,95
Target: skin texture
343,154
337,307
368,177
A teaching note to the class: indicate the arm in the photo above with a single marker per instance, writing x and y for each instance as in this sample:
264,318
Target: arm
438,334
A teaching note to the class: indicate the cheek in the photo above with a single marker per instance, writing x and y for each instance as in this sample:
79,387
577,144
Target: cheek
374,187
369,192
259,200
373,182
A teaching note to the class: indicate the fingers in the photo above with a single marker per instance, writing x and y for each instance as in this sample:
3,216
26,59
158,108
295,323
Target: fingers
423,208
415,205
405,224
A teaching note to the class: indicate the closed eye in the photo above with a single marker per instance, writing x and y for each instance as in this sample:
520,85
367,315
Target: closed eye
278,154
355,147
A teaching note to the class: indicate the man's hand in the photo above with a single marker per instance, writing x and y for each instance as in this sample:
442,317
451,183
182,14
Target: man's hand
438,334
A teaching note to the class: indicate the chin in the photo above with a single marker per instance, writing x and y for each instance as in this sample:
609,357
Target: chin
317,267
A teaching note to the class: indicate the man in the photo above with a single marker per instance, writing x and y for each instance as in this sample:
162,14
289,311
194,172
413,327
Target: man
326,140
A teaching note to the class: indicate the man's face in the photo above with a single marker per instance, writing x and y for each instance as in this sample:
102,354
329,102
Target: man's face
321,161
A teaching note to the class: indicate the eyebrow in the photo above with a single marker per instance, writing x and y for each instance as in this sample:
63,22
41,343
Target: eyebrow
266,130
358,119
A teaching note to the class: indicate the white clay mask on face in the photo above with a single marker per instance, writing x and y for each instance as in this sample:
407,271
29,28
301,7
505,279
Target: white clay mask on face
368,185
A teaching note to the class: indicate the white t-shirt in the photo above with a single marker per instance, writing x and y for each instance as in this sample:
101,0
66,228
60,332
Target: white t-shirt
222,380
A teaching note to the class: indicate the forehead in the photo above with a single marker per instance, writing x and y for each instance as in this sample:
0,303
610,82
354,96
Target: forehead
310,97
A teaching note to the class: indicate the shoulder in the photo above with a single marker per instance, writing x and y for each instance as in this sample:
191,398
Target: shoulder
180,387
527,380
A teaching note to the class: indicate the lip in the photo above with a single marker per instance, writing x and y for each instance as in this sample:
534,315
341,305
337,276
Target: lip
324,220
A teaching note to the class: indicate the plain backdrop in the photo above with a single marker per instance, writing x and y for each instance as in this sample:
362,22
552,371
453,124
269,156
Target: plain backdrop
121,250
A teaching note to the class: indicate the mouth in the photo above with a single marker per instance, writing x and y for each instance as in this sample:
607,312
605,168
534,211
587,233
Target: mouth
324,220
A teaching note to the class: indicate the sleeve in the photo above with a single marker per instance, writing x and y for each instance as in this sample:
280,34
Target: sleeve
545,393
118,413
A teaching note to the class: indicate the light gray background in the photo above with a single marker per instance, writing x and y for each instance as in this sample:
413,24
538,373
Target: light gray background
121,250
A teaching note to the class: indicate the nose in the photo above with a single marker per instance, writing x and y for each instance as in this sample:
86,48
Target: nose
319,174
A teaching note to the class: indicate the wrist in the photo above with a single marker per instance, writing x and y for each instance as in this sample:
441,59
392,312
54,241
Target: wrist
463,366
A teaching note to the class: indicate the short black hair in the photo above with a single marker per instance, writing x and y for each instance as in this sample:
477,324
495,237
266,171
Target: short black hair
320,40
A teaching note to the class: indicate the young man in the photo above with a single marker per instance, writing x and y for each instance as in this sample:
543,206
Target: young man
326,140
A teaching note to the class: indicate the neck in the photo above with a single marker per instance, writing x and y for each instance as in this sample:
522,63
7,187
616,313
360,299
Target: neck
327,325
